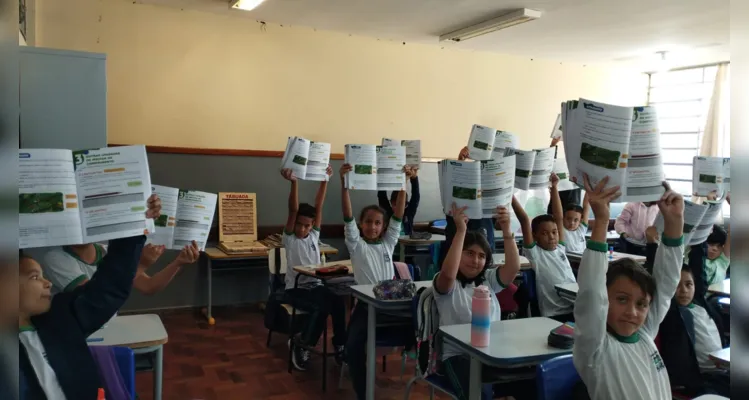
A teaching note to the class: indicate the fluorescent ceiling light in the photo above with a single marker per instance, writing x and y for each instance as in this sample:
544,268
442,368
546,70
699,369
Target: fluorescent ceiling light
246,5
505,21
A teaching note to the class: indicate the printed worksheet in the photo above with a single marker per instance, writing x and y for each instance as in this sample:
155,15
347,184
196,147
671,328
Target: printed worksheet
307,159
48,213
481,142
390,163
645,165
460,183
698,221
524,168
560,168
543,163
363,160
413,150
711,174
163,234
114,185
195,212
318,161
497,184
556,131
504,140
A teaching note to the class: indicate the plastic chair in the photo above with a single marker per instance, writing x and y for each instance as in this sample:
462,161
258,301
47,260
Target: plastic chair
556,378
126,363
279,308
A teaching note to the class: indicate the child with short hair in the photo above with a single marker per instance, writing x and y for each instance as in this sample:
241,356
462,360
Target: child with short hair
575,225
619,306
543,242
718,255
371,250
54,360
468,265
301,241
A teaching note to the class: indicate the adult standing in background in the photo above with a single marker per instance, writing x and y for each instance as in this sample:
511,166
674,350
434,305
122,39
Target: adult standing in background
632,223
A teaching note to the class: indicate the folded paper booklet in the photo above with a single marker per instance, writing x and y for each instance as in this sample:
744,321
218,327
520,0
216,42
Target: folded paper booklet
698,221
711,174
622,143
74,197
375,167
533,168
186,215
484,140
413,150
237,220
309,160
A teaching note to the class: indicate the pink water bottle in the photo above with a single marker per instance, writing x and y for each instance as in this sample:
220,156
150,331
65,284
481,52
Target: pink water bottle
481,307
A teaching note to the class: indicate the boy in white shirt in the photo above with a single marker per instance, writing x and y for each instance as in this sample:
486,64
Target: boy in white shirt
620,306
543,240
371,252
575,226
468,265
301,240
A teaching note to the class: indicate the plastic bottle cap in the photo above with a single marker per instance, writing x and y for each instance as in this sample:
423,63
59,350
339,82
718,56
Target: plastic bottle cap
481,292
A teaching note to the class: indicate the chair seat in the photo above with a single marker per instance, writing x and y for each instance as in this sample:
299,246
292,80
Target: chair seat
290,309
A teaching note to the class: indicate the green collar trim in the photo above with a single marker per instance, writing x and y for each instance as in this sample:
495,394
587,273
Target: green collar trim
26,328
530,246
347,220
690,305
376,241
598,246
97,260
394,218
671,241
633,338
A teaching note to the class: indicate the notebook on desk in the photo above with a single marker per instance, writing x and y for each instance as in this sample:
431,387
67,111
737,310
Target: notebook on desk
237,216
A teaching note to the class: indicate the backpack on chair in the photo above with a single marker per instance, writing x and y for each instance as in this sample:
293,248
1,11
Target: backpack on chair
427,319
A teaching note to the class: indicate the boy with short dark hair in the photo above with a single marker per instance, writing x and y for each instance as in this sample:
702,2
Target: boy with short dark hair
301,241
54,361
718,255
543,242
619,306
576,226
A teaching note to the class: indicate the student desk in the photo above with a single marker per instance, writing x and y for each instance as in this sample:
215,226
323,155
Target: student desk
142,333
499,259
498,241
514,343
228,262
365,294
406,241
722,358
721,288
567,290
711,397
611,236
577,257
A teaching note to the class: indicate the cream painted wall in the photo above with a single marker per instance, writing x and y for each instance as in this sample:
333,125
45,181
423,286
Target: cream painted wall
193,79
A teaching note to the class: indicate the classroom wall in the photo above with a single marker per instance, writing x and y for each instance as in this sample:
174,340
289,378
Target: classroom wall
194,79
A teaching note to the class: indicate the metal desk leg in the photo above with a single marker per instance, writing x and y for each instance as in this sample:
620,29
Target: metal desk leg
402,253
209,314
371,355
158,373
474,381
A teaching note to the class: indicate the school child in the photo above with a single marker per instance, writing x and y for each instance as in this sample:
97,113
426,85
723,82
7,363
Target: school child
301,240
467,266
619,306
718,255
483,225
412,204
68,267
575,225
370,246
543,242
54,359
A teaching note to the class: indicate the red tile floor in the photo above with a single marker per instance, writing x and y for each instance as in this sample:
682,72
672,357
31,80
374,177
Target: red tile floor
229,360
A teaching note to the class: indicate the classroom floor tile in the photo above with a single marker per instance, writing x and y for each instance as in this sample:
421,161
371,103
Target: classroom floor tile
230,361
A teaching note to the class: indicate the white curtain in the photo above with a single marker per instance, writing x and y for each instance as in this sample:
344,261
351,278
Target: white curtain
718,117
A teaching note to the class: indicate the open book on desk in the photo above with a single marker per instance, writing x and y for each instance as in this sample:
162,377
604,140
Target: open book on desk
622,143
75,197
186,215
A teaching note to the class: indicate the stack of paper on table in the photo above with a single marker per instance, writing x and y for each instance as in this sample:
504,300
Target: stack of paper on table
76,197
186,216
622,143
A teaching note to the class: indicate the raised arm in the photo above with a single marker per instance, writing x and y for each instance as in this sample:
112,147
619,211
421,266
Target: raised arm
384,201
413,203
592,302
586,211
320,197
348,214
449,271
400,205
556,206
95,302
463,153
288,174
525,222
668,258
152,284
509,271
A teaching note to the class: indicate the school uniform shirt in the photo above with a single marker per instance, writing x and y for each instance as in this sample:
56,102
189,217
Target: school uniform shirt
300,252
455,306
372,261
38,358
715,270
614,367
552,268
575,240
706,337
66,270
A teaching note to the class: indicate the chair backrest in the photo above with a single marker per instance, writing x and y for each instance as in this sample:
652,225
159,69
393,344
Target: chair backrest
506,300
403,270
556,378
126,362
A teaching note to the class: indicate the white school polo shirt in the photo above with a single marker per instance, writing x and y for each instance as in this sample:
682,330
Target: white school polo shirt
575,240
38,358
706,337
552,268
301,252
65,270
372,261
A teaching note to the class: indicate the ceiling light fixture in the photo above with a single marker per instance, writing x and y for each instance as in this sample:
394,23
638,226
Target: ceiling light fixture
505,21
246,5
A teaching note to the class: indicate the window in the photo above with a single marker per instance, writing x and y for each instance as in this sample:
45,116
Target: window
682,99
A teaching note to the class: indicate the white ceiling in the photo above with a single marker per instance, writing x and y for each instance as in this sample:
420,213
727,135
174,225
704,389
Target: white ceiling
625,32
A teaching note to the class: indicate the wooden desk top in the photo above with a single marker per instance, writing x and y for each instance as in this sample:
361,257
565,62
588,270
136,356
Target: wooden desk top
310,270
133,331
406,240
214,253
